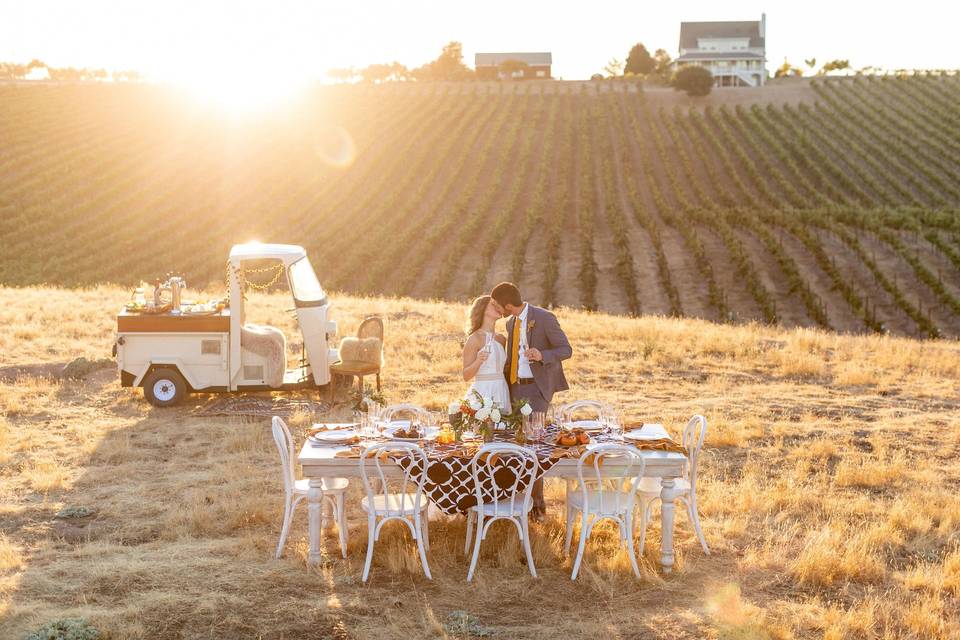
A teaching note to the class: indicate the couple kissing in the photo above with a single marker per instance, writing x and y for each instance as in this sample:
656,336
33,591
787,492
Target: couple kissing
526,363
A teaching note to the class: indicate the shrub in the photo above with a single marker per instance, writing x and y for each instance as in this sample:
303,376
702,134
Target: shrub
695,80
66,629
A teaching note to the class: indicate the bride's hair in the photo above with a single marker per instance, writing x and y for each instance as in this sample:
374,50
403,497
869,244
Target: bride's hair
475,317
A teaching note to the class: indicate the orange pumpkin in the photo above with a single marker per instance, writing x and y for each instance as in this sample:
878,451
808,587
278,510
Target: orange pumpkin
568,439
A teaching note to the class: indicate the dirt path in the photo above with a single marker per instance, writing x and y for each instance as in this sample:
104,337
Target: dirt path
650,292
839,313
903,275
738,298
567,290
848,263
610,293
934,260
790,309
684,273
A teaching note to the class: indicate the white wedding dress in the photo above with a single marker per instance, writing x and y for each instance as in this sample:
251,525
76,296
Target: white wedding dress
489,381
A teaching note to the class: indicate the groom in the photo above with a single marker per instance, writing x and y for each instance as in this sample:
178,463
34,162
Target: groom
536,347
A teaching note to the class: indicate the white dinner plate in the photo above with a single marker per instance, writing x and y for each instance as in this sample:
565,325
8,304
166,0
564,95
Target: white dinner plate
639,434
333,437
586,425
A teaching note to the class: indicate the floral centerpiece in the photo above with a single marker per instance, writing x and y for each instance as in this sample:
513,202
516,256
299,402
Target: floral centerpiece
483,415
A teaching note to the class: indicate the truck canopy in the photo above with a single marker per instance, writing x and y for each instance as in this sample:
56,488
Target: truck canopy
286,253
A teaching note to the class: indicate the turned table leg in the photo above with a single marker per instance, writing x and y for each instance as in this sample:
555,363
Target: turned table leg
315,508
668,493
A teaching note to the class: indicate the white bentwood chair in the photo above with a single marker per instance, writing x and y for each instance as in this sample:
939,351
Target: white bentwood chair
606,492
649,488
514,507
408,505
567,411
387,413
296,490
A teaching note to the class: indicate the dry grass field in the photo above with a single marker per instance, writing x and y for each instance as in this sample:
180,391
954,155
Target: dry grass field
829,492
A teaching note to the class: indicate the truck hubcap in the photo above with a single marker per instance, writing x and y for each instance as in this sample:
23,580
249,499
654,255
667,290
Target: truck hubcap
164,390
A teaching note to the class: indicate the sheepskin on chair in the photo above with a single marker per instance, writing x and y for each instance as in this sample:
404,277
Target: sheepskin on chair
270,343
366,350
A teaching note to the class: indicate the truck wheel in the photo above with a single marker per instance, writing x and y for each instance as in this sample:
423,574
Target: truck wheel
164,387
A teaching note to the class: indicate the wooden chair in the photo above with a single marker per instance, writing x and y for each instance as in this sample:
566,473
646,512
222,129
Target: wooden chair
371,327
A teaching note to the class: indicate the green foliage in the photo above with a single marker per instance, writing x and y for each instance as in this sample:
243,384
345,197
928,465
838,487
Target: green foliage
66,629
639,61
694,80
509,67
448,66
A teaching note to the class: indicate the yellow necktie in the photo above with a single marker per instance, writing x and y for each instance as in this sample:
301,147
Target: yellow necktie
515,350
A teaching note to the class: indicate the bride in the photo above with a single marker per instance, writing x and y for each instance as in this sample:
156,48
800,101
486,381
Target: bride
485,354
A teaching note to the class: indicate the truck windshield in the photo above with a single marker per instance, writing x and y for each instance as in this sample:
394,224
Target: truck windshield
303,281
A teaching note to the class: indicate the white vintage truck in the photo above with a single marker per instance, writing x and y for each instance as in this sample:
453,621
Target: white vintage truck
171,349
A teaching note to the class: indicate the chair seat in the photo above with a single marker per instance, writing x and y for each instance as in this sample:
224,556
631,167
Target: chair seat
503,508
394,503
330,485
355,367
650,487
602,504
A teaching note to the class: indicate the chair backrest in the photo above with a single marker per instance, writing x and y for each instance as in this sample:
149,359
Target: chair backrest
568,410
524,466
410,481
693,435
284,441
390,411
371,327
613,471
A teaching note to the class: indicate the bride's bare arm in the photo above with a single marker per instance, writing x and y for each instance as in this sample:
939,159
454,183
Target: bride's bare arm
473,358
501,339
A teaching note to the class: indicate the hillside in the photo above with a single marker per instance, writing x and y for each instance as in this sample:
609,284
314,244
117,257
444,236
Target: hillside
837,208
827,491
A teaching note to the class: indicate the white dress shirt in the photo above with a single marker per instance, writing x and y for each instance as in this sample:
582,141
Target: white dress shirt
523,365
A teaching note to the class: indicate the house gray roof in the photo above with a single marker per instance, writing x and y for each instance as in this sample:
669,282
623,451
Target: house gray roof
496,59
720,55
690,32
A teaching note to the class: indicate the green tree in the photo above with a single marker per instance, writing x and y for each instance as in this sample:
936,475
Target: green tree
614,68
376,73
508,68
639,61
834,65
448,66
786,69
695,80
663,63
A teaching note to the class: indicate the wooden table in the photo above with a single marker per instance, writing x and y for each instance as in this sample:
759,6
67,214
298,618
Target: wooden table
321,462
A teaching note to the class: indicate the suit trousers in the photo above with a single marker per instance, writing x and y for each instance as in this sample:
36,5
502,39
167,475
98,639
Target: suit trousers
538,403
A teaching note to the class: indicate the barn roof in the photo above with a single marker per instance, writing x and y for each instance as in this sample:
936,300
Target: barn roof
496,59
690,32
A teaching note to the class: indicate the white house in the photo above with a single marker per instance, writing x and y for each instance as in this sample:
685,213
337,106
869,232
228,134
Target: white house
734,52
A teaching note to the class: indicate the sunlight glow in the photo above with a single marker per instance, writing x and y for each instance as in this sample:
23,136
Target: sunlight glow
241,87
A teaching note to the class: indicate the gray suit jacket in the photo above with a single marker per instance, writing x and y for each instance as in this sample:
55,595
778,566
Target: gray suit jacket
543,333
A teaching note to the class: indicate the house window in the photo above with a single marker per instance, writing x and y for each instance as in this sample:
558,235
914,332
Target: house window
541,73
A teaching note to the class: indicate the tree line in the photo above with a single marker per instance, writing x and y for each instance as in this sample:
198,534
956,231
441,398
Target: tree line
39,70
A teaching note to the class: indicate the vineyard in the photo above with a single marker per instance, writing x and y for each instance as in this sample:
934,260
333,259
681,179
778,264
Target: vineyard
840,211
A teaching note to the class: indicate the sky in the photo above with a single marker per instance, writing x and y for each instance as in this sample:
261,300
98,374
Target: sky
176,39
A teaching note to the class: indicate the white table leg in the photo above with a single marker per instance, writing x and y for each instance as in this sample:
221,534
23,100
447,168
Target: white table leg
314,508
668,493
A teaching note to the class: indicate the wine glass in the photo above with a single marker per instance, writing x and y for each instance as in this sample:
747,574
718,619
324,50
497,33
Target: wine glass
537,424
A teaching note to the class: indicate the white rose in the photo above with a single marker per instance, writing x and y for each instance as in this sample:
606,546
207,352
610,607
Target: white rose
475,404
483,413
495,415
454,408
488,403
526,409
